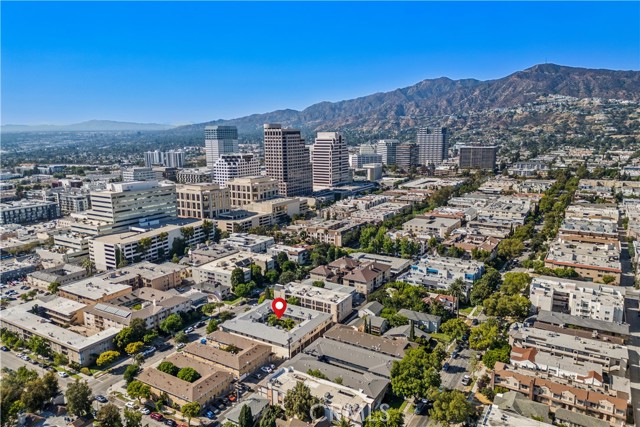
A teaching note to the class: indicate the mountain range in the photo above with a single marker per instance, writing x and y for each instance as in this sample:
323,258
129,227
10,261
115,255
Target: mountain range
88,126
438,98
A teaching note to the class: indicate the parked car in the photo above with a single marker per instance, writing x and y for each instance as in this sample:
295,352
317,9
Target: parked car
156,416
131,405
145,411
466,380
475,322
100,398
169,422
210,415
188,330
181,345
4,348
232,397
200,324
445,367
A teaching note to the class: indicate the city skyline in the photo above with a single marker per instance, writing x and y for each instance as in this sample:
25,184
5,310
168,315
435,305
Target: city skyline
166,63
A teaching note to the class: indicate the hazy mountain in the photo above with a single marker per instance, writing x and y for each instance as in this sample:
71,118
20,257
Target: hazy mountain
91,125
434,98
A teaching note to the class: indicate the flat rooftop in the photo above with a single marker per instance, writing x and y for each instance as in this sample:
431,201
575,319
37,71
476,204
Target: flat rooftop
94,288
21,317
382,345
252,323
559,319
584,255
62,305
306,290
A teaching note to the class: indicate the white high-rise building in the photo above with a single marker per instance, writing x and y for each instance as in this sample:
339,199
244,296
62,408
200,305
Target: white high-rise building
432,146
219,140
172,159
230,166
330,160
287,160
387,149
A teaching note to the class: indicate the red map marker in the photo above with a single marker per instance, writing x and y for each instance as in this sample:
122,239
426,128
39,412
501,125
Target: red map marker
279,306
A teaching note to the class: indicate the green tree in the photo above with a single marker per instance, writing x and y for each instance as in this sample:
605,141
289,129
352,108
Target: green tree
212,326
417,374
458,290
191,410
130,372
181,337
171,324
272,276
134,347
207,228
606,279
237,277
150,336
39,345
270,414
298,402
256,274
246,417
287,277
389,418
515,283
510,248
138,390
78,396
188,374
53,287
107,358
498,354
109,416
60,359
50,385
132,418
455,328
168,368
451,407
35,395
244,289
483,335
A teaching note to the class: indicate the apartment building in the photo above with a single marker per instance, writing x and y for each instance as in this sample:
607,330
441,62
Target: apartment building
253,189
436,272
249,242
78,348
287,160
239,356
334,299
22,212
330,161
613,357
285,343
63,274
432,225
299,254
363,276
202,201
235,165
589,231
591,261
583,299
557,396
213,382
93,290
607,212
195,175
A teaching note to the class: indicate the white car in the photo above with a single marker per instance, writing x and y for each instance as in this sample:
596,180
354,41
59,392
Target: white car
63,374
131,405
145,411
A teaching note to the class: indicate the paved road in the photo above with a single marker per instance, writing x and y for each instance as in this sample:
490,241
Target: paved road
9,359
457,369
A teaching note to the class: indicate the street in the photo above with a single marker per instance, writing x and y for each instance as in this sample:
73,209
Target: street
457,369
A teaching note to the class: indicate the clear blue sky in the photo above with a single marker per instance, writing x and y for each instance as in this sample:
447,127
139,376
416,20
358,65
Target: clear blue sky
192,62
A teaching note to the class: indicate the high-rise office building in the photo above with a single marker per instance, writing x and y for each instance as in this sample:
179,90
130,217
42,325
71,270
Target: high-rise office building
153,158
407,155
252,190
367,149
235,165
219,140
330,160
287,160
477,157
358,160
387,149
432,146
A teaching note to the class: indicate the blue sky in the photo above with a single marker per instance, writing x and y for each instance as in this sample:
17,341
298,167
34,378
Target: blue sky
192,62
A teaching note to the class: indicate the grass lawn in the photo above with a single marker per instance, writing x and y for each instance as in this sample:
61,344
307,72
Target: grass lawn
394,401
466,311
441,337
233,302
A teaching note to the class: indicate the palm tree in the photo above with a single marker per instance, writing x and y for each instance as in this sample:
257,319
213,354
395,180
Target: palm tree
457,289
88,265
344,422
